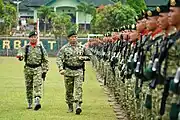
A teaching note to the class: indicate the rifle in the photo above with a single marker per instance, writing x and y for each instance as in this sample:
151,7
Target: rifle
155,69
152,85
113,59
124,60
138,59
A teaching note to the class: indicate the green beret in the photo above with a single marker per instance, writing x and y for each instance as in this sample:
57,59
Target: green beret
153,12
175,3
115,30
71,33
32,33
163,8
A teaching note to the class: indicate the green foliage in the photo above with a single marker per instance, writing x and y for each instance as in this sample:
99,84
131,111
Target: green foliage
86,9
138,5
8,14
61,24
1,8
44,12
112,16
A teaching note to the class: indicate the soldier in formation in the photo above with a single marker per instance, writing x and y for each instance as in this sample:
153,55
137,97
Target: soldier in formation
140,65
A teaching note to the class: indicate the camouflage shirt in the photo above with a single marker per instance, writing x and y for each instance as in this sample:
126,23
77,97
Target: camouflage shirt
174,55
70,55
34,55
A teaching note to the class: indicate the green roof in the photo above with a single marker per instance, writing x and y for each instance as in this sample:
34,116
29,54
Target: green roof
155,3
95,2
100,2
37,3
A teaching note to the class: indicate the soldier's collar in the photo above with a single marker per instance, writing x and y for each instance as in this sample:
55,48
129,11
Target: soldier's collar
156,33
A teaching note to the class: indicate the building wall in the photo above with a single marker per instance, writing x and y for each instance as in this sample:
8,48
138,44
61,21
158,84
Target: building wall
82,18
26,13
67,5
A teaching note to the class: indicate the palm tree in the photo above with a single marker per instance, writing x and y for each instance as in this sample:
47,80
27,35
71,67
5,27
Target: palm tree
9,16
1,8
44,13
86,9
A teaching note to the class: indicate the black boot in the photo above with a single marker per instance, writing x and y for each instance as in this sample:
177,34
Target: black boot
70,108
29,104
37,103
78,108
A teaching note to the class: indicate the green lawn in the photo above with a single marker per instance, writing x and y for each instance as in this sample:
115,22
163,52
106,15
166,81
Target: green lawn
13,99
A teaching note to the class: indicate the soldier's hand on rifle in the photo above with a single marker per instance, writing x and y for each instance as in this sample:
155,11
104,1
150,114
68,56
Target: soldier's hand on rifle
43,76
62,72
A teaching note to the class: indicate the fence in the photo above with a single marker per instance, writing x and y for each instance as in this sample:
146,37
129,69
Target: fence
10,45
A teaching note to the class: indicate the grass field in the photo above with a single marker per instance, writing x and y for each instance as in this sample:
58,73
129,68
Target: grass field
13,99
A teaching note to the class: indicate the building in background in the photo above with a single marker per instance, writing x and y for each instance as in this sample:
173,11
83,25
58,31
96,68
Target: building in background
29,9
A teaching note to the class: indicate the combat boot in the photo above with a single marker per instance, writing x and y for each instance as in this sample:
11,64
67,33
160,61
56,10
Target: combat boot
78,108
29,104
70,108
37,103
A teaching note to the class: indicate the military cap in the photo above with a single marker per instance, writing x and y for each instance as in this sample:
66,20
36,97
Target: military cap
175,3
163,8
115,30
153,12
121,28
142,15
71,33
32,33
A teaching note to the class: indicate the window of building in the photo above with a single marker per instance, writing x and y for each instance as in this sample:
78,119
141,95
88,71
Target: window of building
69,10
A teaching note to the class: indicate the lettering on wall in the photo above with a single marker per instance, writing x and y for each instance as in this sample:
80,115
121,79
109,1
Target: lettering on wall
51,44
16,44
6,44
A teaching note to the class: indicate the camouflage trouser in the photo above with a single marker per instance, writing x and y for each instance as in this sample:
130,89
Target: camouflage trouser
146,113
156,101
102,68
33,78
168,107
73,83
131,98
105,72
110,77
117,85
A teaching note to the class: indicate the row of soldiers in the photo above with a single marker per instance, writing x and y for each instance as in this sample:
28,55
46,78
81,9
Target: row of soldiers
141,64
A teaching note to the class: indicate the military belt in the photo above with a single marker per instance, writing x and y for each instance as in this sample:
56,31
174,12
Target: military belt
33,65
73,67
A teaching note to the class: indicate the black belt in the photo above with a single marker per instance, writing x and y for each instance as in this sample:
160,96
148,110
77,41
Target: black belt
33,65
73,67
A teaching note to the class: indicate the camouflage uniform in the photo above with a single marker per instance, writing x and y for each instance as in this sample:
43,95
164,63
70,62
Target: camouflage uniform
35,65
68,59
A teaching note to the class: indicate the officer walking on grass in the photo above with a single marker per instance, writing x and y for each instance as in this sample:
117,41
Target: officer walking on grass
35,68
70,61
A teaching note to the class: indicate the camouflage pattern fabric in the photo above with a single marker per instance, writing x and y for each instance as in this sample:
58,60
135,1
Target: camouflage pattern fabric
73,78
33,76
